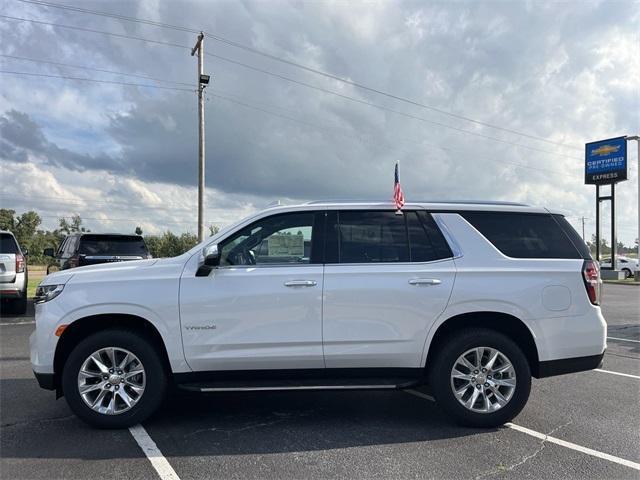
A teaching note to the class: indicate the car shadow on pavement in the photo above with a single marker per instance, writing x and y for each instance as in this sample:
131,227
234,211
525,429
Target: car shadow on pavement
280,422
7,315
35,425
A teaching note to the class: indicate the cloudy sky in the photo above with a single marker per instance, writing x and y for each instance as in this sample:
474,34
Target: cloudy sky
550,75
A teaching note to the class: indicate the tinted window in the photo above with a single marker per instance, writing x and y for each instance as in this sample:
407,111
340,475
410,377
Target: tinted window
112,245
371,237
7,244
573,236
425,238
279,239
523,235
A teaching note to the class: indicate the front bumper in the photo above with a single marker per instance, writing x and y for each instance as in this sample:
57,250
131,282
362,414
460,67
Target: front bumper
562,366
46,380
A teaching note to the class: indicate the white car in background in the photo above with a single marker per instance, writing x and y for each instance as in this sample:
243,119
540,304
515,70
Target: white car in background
14,275
625,264
470,299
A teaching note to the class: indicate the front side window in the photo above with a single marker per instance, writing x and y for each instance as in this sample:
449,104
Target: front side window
277,240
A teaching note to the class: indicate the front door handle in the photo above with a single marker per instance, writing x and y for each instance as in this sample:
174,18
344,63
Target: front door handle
300,283
424,281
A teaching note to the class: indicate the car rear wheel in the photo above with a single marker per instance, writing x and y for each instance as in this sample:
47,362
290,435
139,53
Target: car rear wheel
627,273
114,379
481,378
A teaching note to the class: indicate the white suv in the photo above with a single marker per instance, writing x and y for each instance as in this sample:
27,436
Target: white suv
470,299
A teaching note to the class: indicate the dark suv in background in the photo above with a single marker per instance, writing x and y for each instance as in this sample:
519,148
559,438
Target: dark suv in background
81,249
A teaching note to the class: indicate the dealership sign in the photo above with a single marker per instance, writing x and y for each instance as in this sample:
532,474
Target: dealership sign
605,161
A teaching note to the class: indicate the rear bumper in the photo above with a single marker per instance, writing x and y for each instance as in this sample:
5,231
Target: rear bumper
552,368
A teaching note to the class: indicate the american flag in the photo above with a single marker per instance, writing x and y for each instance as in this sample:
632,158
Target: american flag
398,196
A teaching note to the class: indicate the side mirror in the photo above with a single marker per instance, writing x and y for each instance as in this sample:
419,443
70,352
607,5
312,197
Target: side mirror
49,252
25,252
211,256
211,261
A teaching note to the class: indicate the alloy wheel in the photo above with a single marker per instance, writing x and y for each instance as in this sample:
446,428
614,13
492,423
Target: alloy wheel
483,379
111,380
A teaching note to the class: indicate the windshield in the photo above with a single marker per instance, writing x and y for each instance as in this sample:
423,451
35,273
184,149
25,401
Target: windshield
112,245
7,244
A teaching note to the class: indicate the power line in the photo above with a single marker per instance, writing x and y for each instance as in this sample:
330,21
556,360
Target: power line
307,68
263,110
385,108
248,105
90,30
113,82
59,64
304,84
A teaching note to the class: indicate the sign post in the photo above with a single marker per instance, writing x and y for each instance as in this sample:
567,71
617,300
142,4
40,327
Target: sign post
606,164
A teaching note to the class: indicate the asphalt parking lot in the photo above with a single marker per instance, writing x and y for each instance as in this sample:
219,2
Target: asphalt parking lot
592,421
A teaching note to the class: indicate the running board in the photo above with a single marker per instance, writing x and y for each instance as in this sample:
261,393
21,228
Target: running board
302,384
301,387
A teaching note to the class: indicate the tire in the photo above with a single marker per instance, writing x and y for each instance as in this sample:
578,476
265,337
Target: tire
448,355
627,273
116,414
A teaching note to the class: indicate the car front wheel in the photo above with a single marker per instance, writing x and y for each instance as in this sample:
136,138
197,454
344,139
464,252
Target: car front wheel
114,379
481,378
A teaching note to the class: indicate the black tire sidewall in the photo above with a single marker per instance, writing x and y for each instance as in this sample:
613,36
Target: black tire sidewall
156,378
449,352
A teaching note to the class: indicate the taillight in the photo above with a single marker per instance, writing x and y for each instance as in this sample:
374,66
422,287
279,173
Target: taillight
19,263
591,276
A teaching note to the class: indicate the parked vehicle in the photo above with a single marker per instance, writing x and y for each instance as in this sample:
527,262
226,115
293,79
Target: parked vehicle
625,264
14,275
471,299
80,249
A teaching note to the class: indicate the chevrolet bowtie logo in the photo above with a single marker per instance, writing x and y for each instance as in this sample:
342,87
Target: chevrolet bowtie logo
605,150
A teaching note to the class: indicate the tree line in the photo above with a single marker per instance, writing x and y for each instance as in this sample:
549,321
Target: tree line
26,229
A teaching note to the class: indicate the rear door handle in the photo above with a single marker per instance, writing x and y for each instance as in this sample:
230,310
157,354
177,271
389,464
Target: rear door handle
424,281
300,283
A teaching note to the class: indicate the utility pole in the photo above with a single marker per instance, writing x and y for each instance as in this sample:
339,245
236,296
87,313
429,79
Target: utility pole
583,229
203,80
637,139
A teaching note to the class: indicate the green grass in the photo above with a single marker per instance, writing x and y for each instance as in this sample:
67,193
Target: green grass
34,281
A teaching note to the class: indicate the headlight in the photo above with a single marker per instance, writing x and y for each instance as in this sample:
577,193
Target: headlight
44,293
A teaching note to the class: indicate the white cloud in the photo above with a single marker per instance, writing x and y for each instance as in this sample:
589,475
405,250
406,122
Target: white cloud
544,69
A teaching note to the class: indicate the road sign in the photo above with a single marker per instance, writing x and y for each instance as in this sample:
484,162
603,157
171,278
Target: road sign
605,161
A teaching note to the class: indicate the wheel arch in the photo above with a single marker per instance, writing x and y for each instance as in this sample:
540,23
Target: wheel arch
85,326
504,323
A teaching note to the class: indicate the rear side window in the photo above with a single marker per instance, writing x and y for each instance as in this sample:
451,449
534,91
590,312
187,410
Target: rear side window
524,235
427,243
112,245
8,244
575,238
372,237
361,236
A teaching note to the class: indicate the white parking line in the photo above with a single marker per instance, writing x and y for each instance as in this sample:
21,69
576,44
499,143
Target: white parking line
17,323
623,339
153,453
573,446
618,373
557,441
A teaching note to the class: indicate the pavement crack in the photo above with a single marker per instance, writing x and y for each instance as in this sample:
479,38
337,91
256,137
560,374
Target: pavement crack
543,444
36,420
